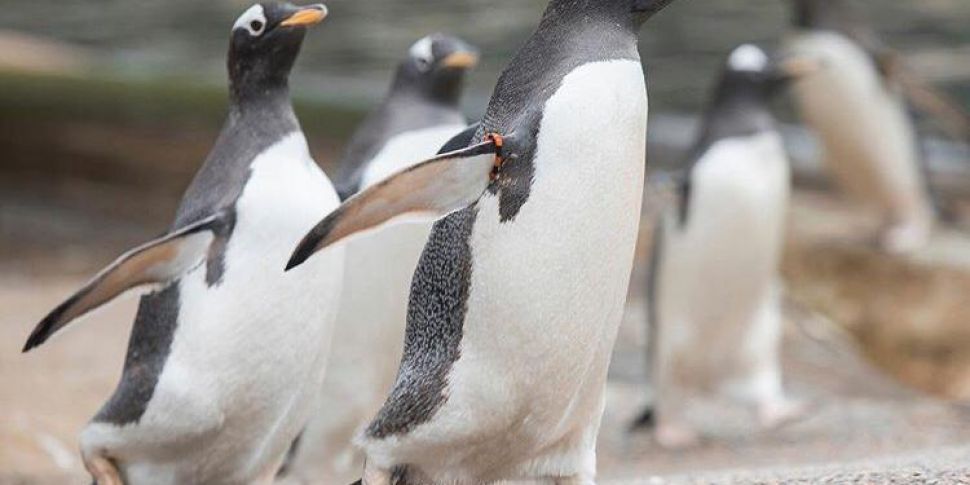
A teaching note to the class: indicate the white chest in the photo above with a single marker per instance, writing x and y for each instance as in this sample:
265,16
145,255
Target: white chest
261,333
552,282
727,251
742,182
261,310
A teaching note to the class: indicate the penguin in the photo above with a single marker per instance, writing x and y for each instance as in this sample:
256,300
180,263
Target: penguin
419,114
714,290
227,351
857,108
517,298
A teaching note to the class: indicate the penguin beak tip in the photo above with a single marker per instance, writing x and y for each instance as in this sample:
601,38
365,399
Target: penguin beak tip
464,59
307,16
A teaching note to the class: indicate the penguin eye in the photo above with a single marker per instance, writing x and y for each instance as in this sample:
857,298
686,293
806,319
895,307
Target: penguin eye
423,53
252,20
424,64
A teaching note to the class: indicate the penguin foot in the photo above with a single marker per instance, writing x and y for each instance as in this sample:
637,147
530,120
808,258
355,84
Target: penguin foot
676,436
775,414
103,471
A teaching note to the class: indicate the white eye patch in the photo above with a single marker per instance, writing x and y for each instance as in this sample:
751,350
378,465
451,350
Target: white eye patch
748,58
422,51
253,20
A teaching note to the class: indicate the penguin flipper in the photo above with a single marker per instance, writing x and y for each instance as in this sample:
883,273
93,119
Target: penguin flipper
427,191
461,140
158,262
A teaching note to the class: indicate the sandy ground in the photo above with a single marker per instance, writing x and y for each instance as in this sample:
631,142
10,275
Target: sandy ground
864,427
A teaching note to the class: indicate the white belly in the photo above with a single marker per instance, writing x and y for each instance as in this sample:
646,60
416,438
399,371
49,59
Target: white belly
254,347
716,271
547,290
869,139
371,321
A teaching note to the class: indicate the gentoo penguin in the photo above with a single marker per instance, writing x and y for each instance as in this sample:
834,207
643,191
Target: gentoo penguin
517,298
419,114
714,290
856,107
227,353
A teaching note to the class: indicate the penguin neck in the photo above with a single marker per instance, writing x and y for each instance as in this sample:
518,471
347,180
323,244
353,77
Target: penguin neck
738,111
247,101
572,33
588,16
443,90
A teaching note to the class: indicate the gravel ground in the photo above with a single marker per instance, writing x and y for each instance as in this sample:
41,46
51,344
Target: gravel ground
863,427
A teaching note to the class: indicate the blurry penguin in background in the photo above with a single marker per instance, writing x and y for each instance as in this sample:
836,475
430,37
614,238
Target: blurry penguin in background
714,291
227,354
858,109
419,115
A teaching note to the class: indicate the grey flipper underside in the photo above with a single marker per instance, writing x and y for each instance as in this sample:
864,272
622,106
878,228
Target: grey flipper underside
158,262
431,190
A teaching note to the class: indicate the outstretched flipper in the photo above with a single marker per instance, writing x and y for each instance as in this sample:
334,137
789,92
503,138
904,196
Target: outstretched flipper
427,191
158,262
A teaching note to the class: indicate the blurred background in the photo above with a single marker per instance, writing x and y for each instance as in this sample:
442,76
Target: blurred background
107,109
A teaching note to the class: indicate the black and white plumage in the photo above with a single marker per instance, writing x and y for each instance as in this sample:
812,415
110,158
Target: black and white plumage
225,357
714,285
857,108
420,113
517,299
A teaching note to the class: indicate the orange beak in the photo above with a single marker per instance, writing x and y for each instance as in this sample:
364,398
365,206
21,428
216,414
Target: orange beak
461,60
306,17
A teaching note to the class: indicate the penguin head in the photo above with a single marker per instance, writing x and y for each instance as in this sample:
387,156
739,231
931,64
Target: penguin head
265,42
751,69
435,68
